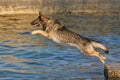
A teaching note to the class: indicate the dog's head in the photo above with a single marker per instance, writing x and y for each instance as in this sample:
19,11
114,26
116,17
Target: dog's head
46,23
40,21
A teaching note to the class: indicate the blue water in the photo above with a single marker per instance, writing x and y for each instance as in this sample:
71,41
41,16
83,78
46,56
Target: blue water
27,57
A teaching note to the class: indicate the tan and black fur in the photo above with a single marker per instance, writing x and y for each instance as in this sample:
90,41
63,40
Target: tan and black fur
54,30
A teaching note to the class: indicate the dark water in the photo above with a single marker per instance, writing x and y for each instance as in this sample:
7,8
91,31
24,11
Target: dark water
27,57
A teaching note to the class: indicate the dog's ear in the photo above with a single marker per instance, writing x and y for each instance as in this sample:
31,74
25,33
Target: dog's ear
43,17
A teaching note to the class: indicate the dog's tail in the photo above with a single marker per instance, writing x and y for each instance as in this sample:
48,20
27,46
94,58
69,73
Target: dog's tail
99,45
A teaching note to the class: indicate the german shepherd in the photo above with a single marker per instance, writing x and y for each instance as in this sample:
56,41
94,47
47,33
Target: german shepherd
54,30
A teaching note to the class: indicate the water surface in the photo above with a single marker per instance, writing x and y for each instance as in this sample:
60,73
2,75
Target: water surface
27,57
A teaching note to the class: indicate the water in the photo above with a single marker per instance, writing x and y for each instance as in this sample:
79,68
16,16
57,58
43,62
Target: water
27,57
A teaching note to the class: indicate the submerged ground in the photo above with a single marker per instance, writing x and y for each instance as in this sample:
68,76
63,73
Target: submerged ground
24,56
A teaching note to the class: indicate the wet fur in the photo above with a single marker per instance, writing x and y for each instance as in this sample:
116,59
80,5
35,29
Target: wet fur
54,30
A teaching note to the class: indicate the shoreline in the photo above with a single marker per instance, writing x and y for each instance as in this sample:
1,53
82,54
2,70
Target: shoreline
77,12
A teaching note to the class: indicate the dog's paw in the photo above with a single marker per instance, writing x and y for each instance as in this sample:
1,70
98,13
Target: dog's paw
33,33
36,32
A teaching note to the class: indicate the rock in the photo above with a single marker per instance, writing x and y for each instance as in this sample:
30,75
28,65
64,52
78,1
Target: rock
112,71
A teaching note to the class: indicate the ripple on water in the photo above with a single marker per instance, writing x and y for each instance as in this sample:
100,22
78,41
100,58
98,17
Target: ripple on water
27,57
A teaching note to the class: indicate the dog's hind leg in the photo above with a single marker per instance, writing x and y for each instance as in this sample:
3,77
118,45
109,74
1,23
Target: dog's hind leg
43,33
97,54
90,51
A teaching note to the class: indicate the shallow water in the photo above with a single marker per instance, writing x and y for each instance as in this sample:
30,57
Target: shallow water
27,57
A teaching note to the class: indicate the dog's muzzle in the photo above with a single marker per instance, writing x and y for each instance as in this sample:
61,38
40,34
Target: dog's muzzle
35,24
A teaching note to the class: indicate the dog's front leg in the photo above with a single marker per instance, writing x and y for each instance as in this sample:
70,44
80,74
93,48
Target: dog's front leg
40,32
